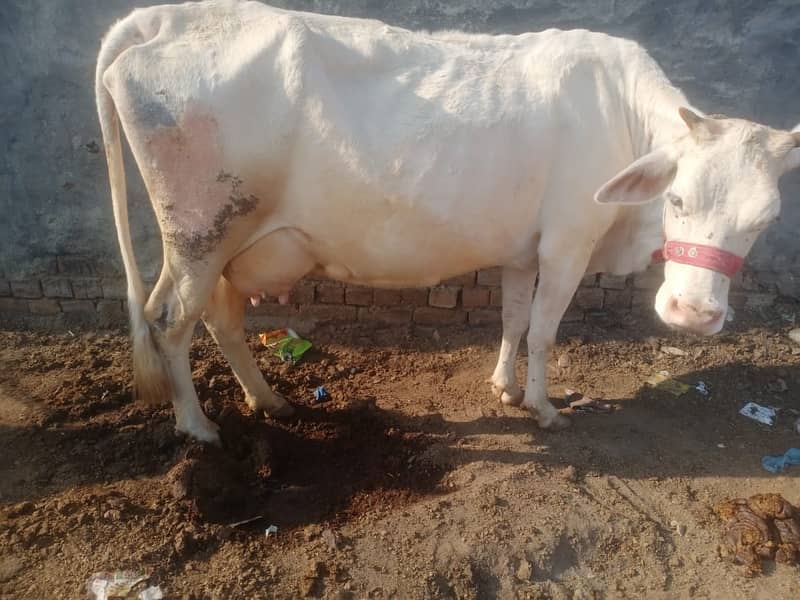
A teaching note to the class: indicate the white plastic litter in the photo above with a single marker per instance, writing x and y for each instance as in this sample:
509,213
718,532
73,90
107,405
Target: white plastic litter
330,539
116,584
762,414
152,593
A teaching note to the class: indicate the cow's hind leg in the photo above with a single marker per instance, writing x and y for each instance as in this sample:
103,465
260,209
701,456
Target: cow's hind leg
172,311
518,287
559,277
224,319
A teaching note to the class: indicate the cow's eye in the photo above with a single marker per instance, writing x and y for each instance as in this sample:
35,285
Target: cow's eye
675,200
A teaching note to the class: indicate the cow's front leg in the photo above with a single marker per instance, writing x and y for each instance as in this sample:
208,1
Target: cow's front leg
518,287
558,280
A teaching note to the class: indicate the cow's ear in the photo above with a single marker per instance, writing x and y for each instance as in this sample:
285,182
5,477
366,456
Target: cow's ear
691,118
642,181
792,160
702,128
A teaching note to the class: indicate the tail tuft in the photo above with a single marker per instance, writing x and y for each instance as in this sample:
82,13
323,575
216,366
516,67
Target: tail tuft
151,383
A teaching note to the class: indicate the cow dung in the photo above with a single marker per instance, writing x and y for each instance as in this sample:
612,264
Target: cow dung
765,526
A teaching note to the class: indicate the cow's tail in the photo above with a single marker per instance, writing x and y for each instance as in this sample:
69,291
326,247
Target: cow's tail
151,381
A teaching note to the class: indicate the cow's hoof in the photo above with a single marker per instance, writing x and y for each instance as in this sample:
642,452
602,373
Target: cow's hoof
508,398
511,399
205,431
554,422
272,405
282,412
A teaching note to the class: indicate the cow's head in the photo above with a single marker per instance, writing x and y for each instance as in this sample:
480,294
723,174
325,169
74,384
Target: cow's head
719,185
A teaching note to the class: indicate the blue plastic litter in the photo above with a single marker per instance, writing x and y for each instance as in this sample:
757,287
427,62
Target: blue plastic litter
702,388
776,464
320,395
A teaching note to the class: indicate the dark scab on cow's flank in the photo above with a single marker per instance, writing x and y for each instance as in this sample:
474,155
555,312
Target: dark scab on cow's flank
198,245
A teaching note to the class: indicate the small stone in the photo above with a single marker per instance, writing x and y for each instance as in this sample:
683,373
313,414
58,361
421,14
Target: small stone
118,502
678,527
524,571
313,573
66,508
794,335
570,473
311,532
563,361
673,351
330,539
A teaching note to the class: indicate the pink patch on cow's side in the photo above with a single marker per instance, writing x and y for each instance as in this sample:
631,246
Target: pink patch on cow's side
194,198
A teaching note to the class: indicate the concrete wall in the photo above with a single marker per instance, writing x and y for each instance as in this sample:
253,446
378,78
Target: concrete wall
57,237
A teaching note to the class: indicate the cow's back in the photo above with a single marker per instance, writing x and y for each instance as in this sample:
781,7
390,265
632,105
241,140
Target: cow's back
351,129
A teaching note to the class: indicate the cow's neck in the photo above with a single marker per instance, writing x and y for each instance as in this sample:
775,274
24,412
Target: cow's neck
652,104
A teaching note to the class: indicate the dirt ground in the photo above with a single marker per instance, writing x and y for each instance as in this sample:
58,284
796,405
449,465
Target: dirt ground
412,482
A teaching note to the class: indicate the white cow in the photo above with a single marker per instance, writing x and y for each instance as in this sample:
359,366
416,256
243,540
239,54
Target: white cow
275,144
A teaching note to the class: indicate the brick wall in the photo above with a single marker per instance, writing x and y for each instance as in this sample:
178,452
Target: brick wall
54,194
74,294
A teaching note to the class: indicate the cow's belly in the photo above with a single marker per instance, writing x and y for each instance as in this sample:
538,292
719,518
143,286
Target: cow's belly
396,252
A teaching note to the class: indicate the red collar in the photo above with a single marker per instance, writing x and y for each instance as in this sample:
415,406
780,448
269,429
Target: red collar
698,255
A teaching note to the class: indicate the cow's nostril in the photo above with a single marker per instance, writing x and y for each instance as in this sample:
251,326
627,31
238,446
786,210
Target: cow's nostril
688,308
672,304
706,312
